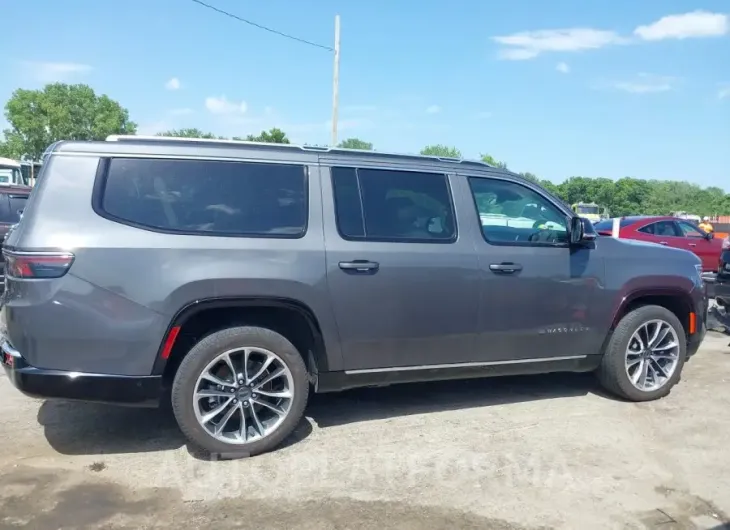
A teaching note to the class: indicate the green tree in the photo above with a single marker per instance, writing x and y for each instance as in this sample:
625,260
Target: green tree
489,159
272,136
59,111
356,143
190,133
441,150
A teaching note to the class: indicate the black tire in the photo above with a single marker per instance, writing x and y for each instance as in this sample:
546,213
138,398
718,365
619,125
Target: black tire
203,353
612,370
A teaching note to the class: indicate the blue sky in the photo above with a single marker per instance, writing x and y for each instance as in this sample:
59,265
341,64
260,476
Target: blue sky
601,88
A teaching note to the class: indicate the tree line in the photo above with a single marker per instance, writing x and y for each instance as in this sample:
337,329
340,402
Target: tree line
59,111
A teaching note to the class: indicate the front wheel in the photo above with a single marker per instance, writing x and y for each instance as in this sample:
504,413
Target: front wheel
240,391
645,355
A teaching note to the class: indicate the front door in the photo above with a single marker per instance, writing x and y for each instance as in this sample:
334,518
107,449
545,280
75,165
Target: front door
536,292
696,240
402,278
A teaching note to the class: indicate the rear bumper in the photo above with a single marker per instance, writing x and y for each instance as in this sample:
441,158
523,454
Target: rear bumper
138,391
722,290
718,285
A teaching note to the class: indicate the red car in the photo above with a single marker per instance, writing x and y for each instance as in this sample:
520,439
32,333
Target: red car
670,231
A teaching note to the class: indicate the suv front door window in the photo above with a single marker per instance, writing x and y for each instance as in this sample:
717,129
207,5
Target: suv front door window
535,292
513,214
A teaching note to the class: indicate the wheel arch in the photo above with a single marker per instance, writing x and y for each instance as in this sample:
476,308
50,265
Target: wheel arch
242,309
676,300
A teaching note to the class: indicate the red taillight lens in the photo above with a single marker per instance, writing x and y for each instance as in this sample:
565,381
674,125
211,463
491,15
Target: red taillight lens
37,264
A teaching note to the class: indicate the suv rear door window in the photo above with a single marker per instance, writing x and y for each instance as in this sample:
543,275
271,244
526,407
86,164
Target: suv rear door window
208,197
393,205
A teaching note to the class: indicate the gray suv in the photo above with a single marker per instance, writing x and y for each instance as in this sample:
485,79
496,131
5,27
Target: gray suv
239,277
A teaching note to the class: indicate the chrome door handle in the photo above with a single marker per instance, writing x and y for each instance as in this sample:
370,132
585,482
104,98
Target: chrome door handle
359,265
505,268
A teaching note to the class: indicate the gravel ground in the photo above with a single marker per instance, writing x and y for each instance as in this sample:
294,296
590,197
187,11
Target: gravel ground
511,453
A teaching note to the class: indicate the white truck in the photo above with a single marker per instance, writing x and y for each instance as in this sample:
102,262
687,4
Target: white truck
10,172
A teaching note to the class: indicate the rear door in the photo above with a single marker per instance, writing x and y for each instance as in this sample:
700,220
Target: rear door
402,274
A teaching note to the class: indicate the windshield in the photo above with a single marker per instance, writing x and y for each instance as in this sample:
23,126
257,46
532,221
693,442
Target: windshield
587,210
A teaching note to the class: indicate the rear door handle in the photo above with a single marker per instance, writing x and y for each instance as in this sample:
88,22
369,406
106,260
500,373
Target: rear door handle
359,265
505,268
693,244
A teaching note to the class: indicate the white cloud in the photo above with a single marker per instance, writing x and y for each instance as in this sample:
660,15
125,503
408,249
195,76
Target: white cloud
173,84
563,68
433,109
530,44
695,24
181,112
48,72
221,105
724,91
646,84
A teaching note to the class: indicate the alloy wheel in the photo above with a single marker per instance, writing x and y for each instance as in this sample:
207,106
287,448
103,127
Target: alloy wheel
652,355
243,395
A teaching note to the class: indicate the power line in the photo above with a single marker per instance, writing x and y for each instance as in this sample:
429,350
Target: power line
236,17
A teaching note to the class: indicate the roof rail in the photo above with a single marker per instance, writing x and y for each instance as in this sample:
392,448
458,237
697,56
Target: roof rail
316,148
134,138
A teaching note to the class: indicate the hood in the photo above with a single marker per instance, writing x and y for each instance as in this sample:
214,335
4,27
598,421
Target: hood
634,249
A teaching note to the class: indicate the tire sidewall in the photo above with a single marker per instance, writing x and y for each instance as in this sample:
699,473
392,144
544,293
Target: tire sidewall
620,343
203,353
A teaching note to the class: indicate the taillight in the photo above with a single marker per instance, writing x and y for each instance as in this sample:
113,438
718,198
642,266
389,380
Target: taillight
37,264
726,243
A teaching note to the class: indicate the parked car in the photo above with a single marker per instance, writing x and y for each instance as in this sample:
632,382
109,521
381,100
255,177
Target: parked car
12,204
669,231
239,276
722,285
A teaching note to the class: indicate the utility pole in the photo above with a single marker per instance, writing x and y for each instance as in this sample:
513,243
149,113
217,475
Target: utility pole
336,82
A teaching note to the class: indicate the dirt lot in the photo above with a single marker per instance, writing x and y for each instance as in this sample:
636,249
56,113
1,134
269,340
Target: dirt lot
516,453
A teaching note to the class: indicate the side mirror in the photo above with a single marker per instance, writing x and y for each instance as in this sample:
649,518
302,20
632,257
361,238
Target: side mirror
581,230
710,235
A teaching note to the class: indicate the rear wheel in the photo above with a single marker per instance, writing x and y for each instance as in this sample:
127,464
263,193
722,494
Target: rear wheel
240,391
645,355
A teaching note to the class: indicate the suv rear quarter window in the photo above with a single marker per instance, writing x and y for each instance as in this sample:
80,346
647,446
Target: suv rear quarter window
207,197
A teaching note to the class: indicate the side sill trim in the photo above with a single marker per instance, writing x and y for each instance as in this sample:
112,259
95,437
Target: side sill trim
462,365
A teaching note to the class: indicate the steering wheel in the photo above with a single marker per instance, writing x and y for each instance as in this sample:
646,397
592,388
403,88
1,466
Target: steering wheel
541,234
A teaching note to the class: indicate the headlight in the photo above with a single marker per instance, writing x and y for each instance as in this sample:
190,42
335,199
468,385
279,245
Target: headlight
698,269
